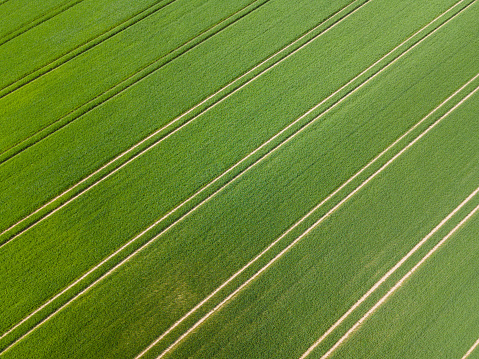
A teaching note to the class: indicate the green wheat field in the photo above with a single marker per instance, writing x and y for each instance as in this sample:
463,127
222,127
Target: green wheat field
239,179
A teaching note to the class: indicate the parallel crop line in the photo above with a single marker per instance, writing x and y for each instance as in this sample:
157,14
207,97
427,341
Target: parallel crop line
122,89
402,280
118,251
210,197
469,352
76,51
292,244
38,21
407,256
129,81
85,275
154,134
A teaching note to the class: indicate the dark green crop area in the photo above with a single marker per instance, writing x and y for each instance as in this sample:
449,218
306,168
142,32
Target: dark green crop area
239,179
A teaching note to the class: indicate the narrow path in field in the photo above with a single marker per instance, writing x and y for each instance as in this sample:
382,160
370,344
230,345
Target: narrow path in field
304,234
131,80
412,251
83,47
38,21
404,278
116,253
155,138
12,232
471,350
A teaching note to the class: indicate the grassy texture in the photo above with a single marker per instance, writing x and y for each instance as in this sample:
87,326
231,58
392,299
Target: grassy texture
192,259
162,179
107,131
88,75
302,296
61,34
284,311
434,315
18,15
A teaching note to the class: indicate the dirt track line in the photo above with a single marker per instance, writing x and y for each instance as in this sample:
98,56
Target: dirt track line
148,138
469,352
38,21
140,234
85,46
411,252
297,240
88,105
129,81
84,276
407,275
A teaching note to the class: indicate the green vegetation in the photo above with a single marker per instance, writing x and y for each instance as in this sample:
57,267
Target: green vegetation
88,75
17,17
107,131
330,270
434,315
282,312
49,40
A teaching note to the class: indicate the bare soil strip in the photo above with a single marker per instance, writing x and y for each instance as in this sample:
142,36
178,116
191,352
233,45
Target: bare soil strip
131,80
469,352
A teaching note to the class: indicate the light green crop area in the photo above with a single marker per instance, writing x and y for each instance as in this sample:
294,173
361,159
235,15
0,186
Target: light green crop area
70,25
78,81
150,104
17,16
238,179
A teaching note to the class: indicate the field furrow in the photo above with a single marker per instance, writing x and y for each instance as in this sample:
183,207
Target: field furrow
19,15
38,21
433,312
239,179
130,80
153,139
255,227
80,48
50,41
29,202
283,311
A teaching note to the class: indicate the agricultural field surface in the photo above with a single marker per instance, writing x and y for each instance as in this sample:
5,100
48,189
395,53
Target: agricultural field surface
239,179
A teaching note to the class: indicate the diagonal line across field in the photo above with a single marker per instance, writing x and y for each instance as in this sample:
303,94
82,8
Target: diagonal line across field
131,80
39,20
173,210
408,255
408,274
204,201
142,73
157,137
471,350
316,224
125,24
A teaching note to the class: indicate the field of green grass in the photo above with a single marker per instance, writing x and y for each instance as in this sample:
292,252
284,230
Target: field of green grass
239,179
